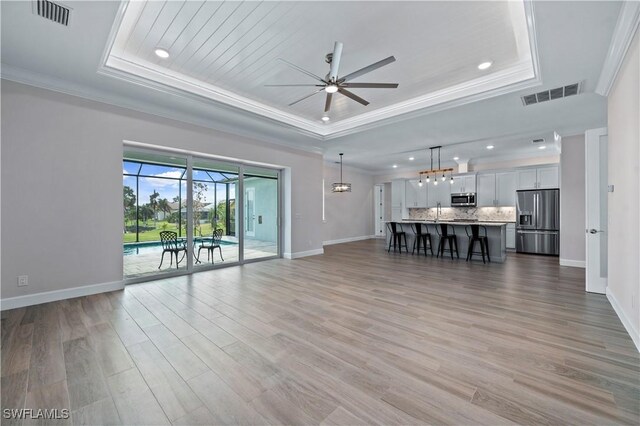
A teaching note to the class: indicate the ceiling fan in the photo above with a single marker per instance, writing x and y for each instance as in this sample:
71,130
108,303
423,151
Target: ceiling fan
332,83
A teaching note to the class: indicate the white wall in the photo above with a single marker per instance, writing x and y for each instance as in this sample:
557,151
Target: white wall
62,185
624,208
349,215
572,201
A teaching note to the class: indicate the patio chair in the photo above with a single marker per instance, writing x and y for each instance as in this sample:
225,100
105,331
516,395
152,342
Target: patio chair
170,243
212,243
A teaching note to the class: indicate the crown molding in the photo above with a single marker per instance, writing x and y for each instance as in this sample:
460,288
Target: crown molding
523,75
626,26
47,82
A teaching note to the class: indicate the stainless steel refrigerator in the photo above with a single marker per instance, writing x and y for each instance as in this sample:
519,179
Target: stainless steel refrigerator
538,221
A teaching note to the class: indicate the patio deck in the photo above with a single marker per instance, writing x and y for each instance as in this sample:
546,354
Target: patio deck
139,265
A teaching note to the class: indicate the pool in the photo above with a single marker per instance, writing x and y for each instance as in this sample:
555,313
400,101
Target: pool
131,249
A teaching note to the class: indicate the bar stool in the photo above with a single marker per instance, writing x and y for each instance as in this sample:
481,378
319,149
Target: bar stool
477,233
421,238
447,233
396,236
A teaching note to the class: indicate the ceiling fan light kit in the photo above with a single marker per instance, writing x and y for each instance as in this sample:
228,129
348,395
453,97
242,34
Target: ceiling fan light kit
333,83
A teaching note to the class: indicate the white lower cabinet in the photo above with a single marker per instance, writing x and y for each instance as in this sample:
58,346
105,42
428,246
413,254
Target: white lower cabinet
511,235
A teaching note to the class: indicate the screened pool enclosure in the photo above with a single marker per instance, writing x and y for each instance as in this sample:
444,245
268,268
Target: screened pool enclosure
179,213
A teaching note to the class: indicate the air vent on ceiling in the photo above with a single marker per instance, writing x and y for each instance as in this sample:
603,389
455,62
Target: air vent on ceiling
549,95
539,140
55,12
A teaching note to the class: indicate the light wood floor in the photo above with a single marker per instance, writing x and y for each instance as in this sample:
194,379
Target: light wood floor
352,337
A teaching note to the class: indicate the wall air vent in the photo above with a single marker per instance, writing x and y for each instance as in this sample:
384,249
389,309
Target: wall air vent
55,12
550,95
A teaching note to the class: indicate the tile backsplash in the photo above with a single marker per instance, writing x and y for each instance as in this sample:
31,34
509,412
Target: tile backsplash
506,214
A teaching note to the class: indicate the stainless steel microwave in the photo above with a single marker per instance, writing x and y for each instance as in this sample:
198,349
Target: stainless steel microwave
463,200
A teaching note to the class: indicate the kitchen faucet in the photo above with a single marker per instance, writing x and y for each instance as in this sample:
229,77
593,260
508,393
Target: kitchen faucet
438,211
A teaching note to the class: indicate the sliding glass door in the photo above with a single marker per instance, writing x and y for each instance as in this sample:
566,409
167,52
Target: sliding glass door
180,213
214,213
261,213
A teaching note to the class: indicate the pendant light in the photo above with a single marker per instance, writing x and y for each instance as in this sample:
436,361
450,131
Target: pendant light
341,186
436,171
420,180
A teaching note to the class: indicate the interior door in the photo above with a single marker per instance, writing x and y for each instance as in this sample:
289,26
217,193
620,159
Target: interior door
250,212
379,209
596,210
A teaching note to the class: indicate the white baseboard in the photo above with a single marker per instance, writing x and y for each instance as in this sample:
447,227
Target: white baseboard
348,240
52,296
574,263
300,254
628,325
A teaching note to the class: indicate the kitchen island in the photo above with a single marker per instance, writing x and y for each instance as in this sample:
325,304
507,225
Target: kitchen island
496,234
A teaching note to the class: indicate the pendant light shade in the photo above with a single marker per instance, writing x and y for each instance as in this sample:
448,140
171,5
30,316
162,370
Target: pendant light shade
341,186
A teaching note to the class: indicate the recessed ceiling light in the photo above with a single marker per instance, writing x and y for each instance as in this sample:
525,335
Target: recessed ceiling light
542,147
331,88
325,118
456,158
395,166
411,158
485,65
490,147
161,53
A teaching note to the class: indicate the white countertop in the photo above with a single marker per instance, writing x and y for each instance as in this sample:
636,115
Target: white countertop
450,222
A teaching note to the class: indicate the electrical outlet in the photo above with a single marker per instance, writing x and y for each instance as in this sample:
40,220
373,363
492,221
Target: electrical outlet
23,280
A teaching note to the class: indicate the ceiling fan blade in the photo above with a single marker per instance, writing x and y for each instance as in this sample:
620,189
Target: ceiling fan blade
293,85
327,103
371,85
295,67
308,96
368,69
353,96
335,61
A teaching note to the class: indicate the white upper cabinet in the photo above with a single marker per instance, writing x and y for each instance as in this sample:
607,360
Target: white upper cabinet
548,177
506,189
527,179
463,184
457,185
469,183
415,195
539,178
397,193
486,195
440,193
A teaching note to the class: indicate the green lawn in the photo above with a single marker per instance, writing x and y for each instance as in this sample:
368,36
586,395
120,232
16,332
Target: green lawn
154,234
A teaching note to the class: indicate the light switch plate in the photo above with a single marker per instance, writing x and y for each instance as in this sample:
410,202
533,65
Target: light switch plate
610,188
23,280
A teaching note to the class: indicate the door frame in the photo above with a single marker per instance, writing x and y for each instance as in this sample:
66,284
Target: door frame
595,282
189,156
378,209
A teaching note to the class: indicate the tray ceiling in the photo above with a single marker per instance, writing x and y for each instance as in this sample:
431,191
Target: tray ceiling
228,51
